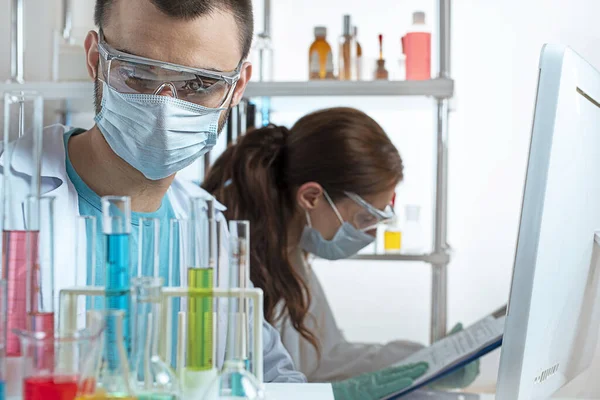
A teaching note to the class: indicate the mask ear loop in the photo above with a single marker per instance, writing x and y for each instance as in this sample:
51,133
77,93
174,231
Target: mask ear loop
337,213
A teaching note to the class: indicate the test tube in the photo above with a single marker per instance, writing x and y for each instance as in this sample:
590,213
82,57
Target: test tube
202,246
240,278
85,262
23,112
2,338
148,247
116,224
40,265
176,276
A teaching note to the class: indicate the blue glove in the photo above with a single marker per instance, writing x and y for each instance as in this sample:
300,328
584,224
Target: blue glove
461,378
376,385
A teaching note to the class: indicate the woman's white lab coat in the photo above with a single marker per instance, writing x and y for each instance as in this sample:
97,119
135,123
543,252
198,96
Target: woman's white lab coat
55,182
340,359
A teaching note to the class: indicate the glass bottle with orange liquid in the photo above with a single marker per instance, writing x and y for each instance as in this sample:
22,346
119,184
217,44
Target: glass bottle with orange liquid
320,62
347,53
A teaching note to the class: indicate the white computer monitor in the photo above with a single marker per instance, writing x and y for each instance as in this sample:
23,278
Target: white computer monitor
552,325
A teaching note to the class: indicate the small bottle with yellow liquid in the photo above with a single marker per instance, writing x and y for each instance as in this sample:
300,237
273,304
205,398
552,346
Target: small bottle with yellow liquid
392,236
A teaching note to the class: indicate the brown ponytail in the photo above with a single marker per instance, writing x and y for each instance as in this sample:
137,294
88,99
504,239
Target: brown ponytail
342,149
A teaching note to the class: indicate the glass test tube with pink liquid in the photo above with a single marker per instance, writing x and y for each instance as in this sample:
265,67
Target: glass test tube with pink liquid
21,168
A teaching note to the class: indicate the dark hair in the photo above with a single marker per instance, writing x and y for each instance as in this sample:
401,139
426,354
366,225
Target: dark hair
190,9
342,149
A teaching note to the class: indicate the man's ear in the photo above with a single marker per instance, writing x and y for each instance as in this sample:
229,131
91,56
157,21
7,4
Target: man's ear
91,54
240,87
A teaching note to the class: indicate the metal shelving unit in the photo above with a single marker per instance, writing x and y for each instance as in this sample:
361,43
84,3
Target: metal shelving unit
441,89
438,88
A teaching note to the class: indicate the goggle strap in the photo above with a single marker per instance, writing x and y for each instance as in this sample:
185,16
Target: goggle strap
337,213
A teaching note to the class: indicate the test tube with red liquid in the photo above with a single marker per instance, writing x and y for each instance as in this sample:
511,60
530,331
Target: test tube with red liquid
40,275
21,163
2,339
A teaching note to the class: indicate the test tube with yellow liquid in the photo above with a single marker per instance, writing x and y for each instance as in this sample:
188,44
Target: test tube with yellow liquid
201,368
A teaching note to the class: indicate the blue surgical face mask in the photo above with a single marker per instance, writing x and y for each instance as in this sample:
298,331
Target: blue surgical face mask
157,135
346,242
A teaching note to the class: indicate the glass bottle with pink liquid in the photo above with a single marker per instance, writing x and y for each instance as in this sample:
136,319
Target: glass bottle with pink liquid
416,46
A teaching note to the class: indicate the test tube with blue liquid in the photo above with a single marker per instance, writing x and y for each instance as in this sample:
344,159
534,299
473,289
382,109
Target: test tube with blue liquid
116,224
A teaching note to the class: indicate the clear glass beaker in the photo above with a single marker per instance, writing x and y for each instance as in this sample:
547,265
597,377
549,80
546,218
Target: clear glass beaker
235,383
106,374
52,364
153,378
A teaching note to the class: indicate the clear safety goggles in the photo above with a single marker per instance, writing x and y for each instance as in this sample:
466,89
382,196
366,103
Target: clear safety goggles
369,217
130,74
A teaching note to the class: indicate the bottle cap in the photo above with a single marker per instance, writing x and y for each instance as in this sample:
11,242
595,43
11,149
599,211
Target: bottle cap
320,31
355,31
347,25
419,17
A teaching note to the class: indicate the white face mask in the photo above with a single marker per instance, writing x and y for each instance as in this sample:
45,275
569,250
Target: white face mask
157,135
346,242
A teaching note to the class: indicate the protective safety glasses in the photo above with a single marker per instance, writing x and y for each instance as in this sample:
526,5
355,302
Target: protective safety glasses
130,74
371,216
368,218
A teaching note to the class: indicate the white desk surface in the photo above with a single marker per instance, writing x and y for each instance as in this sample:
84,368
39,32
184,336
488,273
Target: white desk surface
322,391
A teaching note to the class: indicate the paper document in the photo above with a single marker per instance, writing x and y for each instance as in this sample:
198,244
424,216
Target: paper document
455,351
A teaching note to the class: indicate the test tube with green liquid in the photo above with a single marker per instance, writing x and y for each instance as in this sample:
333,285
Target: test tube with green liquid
202,272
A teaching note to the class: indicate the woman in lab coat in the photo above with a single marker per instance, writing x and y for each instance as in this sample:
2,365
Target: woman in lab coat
320,188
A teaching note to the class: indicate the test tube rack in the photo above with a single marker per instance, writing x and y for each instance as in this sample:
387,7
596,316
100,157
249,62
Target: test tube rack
68,313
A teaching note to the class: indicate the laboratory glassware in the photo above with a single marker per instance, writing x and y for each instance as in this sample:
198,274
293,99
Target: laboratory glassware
392,236
200,367
176,276
52,364
359,59
40,270
235,380
153,378
347,53
116,216
319,56
380,72
23,119
413,237
262,58
148,247
416,45
3,301
85,260
109,378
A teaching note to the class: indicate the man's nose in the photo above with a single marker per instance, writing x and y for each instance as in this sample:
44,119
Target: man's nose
166,89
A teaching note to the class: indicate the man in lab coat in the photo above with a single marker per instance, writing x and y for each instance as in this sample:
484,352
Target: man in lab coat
166,74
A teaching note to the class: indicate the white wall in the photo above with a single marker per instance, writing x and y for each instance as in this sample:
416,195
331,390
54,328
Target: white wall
494,61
